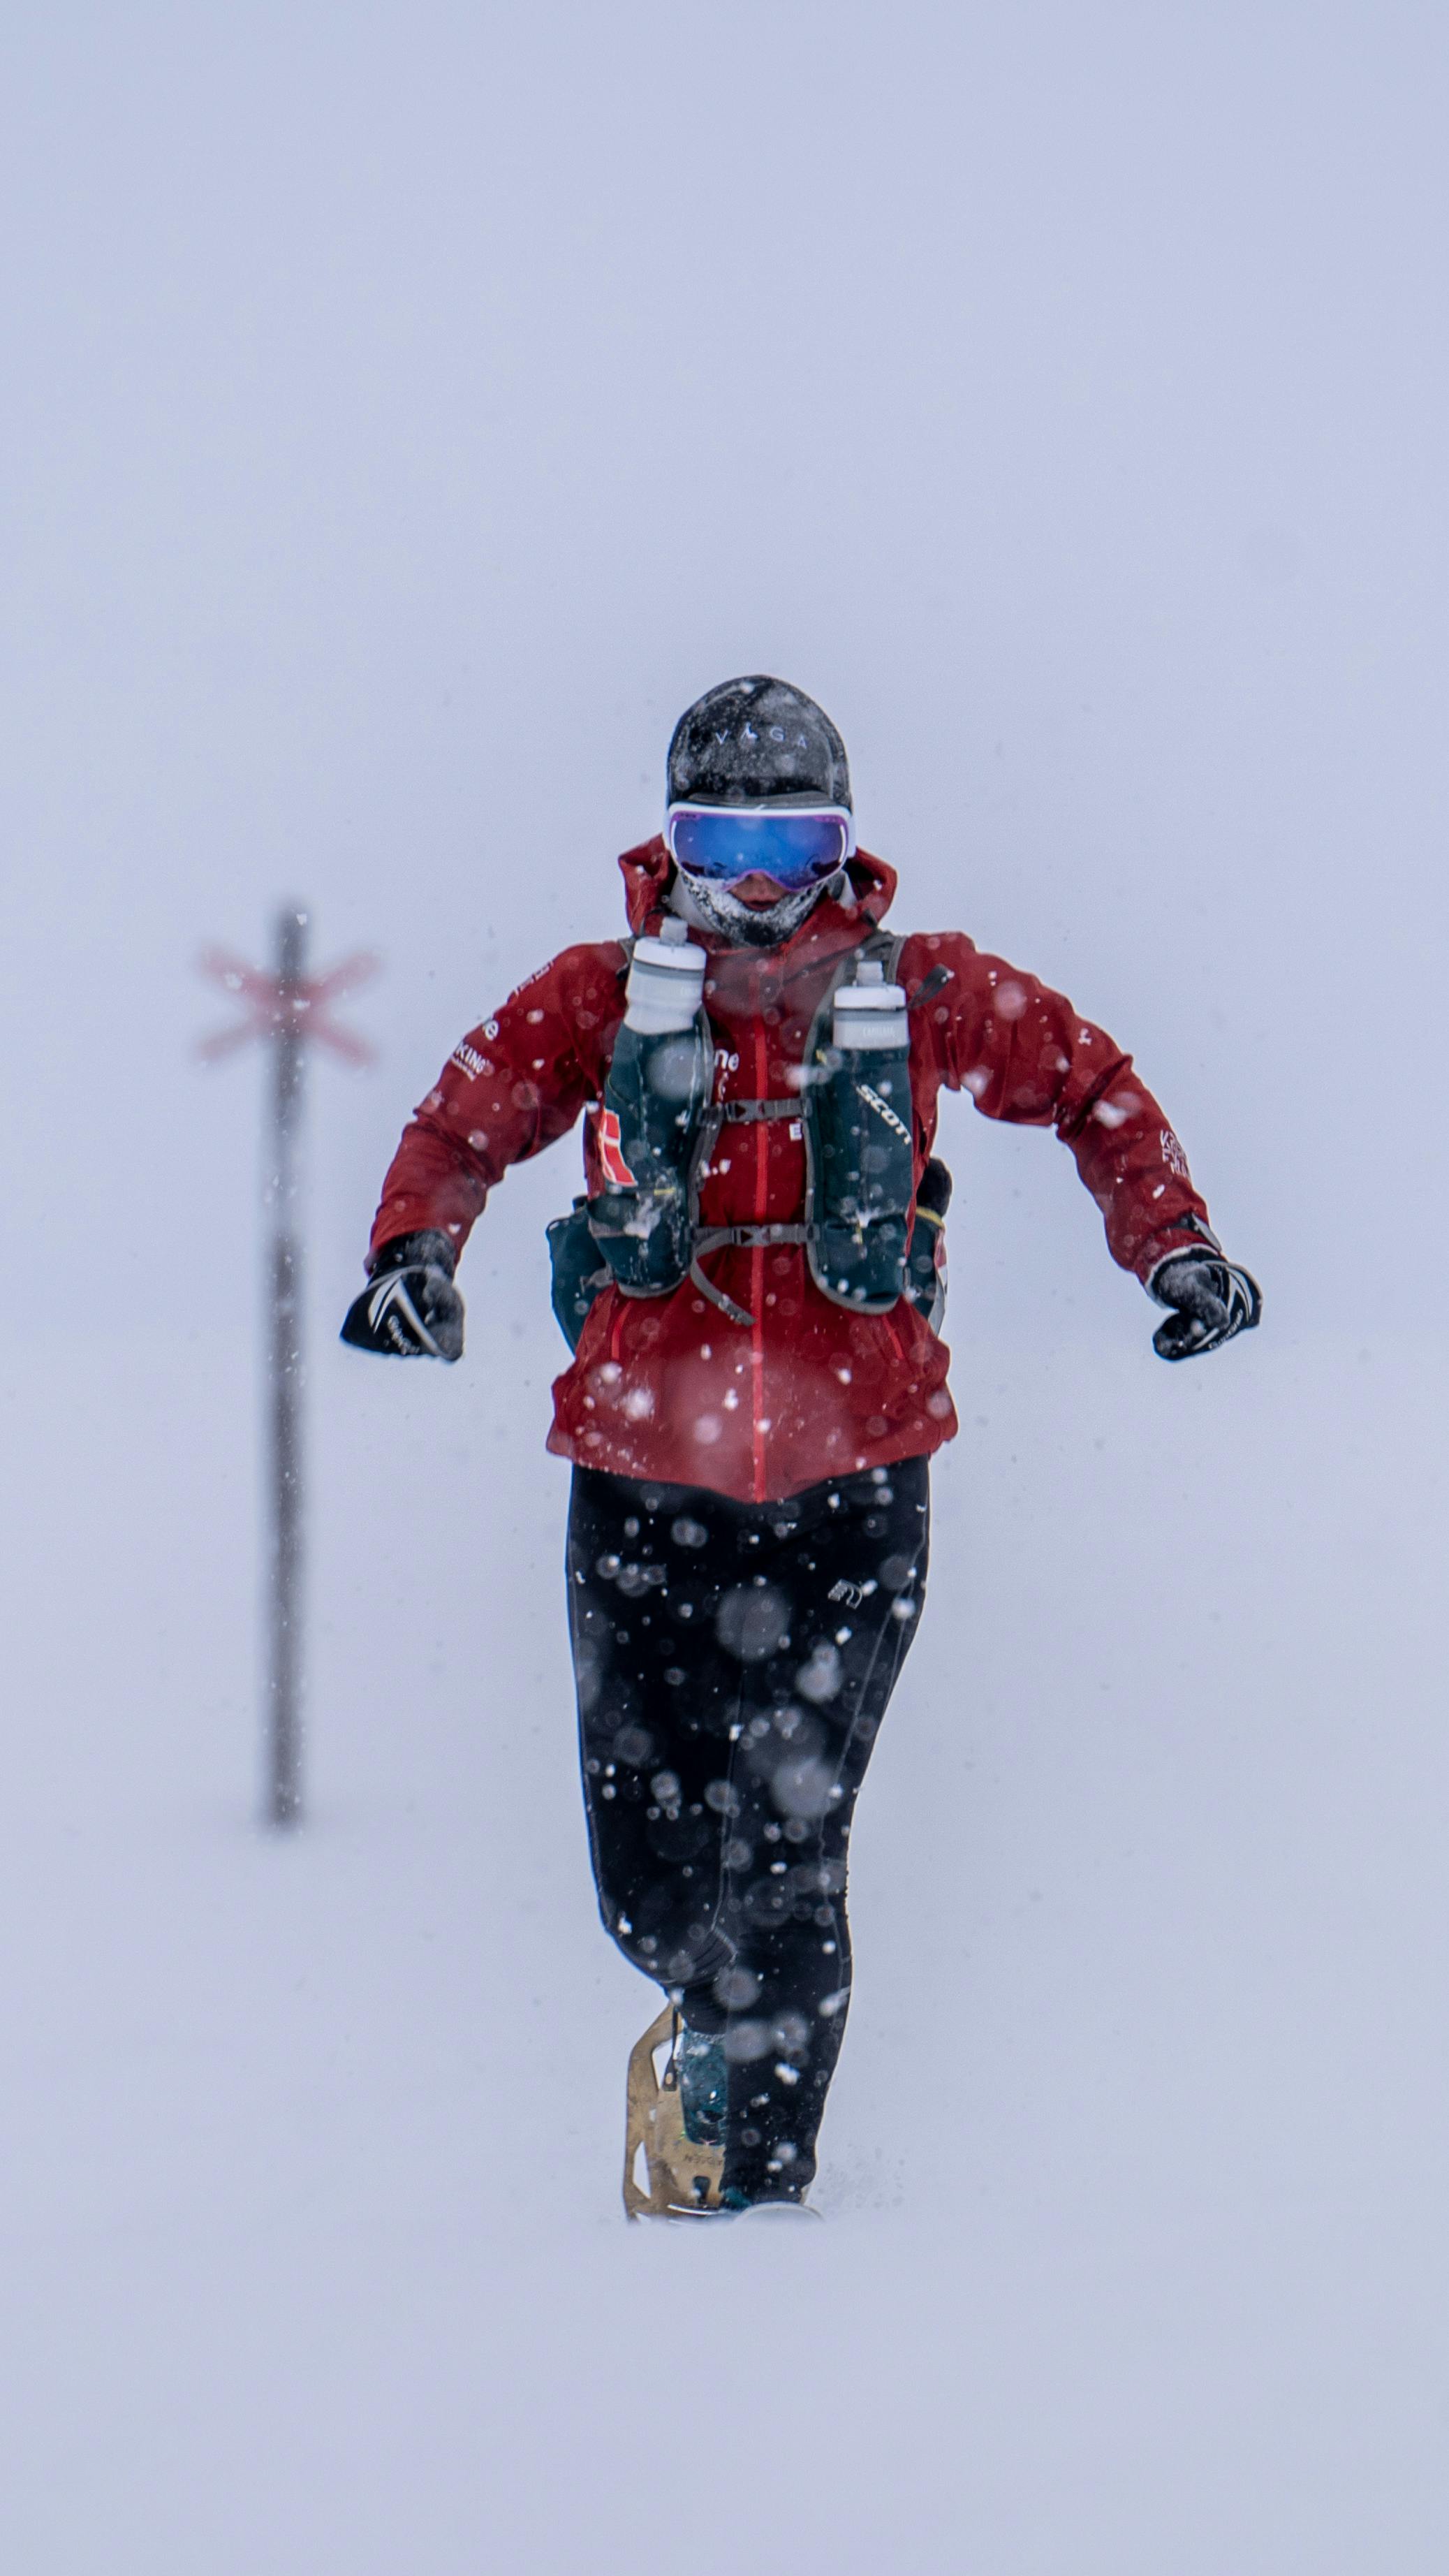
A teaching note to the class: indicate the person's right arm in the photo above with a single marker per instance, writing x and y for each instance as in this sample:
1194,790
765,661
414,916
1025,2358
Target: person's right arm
515,1084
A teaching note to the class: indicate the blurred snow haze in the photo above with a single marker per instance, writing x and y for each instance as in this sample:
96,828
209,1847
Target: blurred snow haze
408,411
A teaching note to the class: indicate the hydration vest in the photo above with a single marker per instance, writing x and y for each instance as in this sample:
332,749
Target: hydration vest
868,1235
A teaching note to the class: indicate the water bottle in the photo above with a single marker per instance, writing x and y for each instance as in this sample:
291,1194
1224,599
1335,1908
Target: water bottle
666,983
655,1094
870,1014
864,1152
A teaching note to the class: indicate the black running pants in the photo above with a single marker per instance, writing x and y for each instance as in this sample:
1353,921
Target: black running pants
734,1662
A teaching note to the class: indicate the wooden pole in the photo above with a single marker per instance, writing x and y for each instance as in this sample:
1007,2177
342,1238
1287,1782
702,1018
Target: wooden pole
290,1011
284,1386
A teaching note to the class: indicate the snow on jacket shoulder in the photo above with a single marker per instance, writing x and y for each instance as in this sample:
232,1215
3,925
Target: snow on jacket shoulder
666,1387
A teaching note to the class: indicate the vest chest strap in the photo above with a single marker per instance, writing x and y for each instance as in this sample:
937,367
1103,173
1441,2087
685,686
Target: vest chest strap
752,1238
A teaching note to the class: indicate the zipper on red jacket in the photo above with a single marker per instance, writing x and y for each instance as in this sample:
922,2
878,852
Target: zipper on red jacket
757,1271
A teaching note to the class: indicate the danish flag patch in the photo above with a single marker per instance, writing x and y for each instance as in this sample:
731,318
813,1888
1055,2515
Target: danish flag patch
611,1152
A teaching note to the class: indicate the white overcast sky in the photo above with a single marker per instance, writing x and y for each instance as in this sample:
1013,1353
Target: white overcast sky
408,411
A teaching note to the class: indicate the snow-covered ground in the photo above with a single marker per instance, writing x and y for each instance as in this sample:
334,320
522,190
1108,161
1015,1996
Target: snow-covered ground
1134,2164
407,414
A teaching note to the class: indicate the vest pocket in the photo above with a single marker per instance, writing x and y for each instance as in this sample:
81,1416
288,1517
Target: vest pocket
649,1124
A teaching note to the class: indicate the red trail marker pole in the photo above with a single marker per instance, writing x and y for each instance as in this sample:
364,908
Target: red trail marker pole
287,1009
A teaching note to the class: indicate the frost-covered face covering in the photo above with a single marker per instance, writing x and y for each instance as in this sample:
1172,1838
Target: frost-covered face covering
744,925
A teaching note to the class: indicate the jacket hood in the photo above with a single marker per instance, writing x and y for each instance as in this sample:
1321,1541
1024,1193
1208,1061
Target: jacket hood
647,870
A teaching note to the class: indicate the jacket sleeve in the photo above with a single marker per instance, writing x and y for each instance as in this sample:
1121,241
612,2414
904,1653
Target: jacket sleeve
1026,1056
515,1084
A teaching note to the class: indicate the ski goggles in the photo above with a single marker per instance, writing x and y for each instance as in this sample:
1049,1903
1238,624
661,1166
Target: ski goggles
795,846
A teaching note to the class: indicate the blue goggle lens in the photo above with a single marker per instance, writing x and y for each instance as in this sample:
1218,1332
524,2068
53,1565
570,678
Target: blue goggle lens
796,850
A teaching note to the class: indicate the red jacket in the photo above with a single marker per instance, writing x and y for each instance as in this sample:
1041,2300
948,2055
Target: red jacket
666,1387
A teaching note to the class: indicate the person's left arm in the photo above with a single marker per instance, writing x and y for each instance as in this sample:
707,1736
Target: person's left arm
1028,1058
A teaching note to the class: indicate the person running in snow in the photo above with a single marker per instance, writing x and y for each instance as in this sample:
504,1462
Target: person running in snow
753,1284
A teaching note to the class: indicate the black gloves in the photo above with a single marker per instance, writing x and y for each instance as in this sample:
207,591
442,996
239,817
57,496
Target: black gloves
1212,1300
410,1309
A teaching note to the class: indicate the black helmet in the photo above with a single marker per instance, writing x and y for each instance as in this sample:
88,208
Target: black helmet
756,738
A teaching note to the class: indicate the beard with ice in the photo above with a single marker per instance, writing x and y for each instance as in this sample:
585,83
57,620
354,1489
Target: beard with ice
713,907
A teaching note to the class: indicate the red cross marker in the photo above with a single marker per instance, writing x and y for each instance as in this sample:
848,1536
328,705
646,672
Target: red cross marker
278,1003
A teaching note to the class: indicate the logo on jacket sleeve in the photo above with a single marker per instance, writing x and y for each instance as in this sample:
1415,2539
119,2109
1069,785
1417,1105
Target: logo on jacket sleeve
611,1151
469,1061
